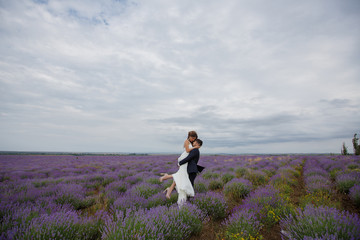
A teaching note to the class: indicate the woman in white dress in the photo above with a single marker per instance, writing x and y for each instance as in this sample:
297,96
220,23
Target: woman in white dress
181,177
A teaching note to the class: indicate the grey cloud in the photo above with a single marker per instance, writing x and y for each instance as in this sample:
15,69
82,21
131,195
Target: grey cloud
223,131
338,103
242,73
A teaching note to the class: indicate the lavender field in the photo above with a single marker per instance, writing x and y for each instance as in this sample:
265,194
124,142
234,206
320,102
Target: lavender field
236,197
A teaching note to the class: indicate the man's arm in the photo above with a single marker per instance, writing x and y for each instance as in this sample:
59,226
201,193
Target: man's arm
191,155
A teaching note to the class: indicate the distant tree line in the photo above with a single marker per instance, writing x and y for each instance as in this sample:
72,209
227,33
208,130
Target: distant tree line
71,153
355,142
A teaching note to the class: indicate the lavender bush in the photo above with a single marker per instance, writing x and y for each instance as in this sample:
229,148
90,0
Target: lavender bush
242,224
237,189
321,223
210,175
41,221
215,185
256,177
227,177
241,172
345,181
269,204
200,186
317,183
145,190
212,204
355,194
62,225
157,223
319,199
129,200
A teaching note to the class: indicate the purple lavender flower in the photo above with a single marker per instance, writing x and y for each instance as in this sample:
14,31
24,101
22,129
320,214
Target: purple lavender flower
257,177
156,223
320,223
145,189
315,171
243,223
62,225
284,177
211,203
267,203
129,200
238,189
317,183
346,180
355,194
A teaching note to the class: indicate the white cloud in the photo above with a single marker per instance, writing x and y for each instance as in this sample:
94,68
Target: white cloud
135,76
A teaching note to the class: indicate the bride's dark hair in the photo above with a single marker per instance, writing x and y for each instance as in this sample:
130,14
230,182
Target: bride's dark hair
192,134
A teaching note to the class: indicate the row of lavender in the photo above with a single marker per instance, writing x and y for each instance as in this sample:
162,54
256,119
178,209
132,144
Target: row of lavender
120,197
320,215
45,196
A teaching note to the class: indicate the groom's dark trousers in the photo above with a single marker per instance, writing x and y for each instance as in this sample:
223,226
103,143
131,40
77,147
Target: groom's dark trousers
192,177
192,160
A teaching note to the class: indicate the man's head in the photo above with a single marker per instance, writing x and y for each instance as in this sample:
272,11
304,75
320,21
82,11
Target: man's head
198,142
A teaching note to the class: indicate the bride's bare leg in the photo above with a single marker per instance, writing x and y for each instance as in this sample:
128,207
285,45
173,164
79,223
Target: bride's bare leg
166,176
169,190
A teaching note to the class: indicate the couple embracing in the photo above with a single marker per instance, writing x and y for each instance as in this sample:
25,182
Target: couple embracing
183,179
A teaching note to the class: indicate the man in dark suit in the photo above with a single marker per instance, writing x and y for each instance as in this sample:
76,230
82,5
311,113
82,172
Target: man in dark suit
192,160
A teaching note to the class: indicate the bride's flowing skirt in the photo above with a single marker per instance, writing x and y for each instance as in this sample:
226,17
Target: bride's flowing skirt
183,184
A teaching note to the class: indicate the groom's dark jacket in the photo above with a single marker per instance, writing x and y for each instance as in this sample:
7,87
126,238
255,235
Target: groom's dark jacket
192,160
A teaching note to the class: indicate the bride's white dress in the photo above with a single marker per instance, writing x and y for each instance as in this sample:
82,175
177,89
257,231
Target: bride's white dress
183,184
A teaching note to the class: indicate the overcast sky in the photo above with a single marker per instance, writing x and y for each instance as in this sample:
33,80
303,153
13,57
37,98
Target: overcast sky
250,76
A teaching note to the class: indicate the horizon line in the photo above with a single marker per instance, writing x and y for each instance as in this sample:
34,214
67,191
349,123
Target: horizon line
148,153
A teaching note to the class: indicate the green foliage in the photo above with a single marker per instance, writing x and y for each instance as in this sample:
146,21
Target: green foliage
156,223
14,219
240,172
40,184
344,150
155,201
133,181
154,181
353,166
200,187
269,173
272,213
107,181
4,178
242,225
124,174
64,230
284,180
227,177
173,199
319,199
257,178
321,223
121,188
344,185
284,188
75,202
144,190
215,185
333,173
210,175
214,205
236,190
356,146
355,194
